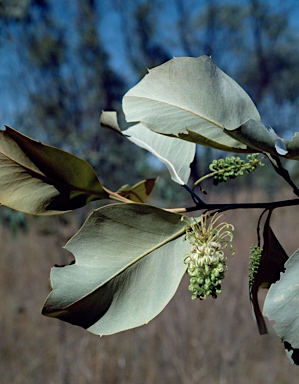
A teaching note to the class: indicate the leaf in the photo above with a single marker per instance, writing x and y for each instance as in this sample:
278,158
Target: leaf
271,264
129,263
293,147
139,192
174,153
108,120
192,99
43,180
281,306
255,135
292,353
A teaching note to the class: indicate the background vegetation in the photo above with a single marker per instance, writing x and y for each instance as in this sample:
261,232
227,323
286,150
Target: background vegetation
61,64
215,341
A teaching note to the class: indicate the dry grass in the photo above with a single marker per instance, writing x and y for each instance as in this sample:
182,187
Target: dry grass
189,342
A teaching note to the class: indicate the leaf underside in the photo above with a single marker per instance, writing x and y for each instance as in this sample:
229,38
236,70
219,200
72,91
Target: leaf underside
174,153
192,99
129,263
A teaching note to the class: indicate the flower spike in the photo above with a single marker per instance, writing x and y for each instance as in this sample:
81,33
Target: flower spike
206,262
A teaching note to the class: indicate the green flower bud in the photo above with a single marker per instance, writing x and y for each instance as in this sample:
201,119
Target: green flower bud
255,259
232,167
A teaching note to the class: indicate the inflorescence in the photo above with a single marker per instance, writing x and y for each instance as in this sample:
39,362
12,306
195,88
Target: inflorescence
232,167
255,259
206,263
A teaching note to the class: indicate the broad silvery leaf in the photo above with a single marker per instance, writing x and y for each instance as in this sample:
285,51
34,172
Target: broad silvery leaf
174,153
128,265
192,99
43,180
281,304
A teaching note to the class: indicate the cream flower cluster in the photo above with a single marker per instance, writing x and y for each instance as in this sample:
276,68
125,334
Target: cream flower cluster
206,262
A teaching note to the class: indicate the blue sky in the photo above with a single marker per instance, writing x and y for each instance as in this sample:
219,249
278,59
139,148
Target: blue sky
111,35
111,29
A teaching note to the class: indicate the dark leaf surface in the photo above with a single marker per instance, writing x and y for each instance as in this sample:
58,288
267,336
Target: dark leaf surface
271,264
43,180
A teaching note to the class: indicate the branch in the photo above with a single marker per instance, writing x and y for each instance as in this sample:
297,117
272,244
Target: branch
228,206
115,196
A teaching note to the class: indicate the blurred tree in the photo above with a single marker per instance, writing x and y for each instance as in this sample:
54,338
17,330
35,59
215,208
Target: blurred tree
254,43
141,32
14,9
270,68
63,76
67,80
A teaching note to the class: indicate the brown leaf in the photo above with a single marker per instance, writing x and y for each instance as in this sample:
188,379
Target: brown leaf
271,264
139,192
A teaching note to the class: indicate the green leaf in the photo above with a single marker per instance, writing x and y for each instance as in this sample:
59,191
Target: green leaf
174,153
281,306
192,99
43,180
129,263
139,192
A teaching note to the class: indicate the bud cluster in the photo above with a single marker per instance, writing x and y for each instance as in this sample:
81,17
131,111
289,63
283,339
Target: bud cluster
206,262
233,166
255,259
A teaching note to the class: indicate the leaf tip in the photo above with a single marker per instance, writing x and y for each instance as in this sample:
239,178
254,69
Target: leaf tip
280,147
